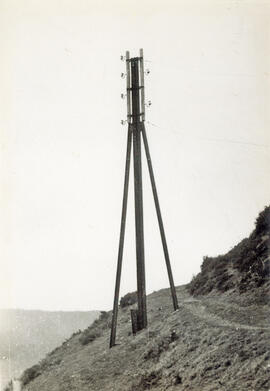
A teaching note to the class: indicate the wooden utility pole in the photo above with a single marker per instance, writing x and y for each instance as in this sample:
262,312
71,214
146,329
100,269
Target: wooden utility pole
135,119
138,196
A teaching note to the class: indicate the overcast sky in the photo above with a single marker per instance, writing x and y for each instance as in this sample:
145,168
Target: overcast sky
63,147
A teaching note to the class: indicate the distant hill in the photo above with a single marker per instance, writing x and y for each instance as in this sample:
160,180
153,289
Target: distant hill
27,336
217,340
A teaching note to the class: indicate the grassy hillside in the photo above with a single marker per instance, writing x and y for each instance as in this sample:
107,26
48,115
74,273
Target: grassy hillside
244,268
27,336
210,343
219,339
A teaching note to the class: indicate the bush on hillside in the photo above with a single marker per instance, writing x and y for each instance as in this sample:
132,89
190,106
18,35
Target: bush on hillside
146,381
95,330
30,374
263,221
245,266
129,299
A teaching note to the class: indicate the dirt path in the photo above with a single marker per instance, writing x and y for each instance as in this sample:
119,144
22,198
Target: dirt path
200,309
212,343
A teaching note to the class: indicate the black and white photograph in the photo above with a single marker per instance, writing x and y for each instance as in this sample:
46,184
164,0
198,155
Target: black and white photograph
134,195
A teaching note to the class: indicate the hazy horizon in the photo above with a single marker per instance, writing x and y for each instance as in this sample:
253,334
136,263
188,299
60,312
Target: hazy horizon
41,310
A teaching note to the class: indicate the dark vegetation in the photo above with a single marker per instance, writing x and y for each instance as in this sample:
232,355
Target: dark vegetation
49,361
160,345
129,299
245,267
147,381
96,329
31,374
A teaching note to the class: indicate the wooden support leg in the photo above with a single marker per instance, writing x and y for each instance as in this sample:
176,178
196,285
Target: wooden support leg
121,240
160,222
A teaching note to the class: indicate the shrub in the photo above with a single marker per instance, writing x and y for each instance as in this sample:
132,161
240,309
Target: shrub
129,299
263,221
146,381
30,374
95,330
89,337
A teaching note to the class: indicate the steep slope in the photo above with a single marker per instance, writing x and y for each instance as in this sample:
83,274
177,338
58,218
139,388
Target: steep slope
210,343
244,268
219,339
27,336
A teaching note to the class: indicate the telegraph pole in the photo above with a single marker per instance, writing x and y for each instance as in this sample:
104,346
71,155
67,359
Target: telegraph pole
136,130
135,119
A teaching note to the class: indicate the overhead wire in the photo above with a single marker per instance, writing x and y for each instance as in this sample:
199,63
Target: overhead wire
213,139
230,141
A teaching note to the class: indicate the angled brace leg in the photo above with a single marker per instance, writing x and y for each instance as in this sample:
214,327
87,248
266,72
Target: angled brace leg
121,240
160,222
